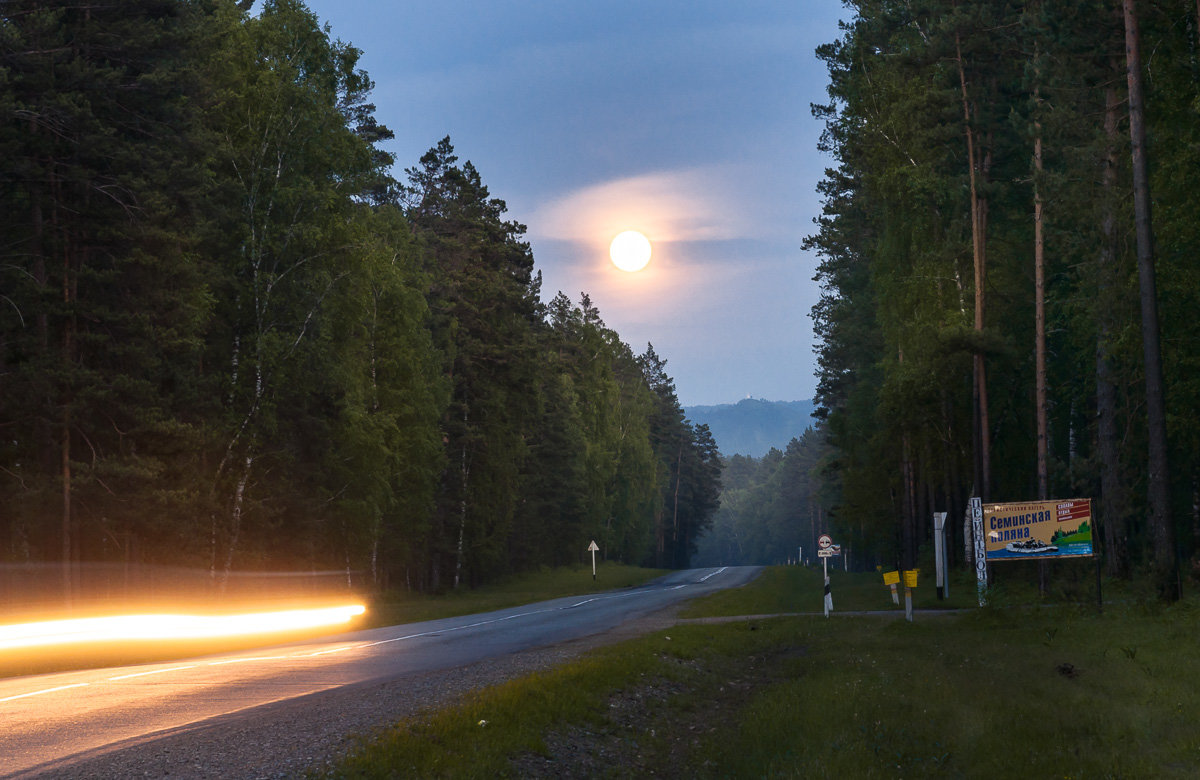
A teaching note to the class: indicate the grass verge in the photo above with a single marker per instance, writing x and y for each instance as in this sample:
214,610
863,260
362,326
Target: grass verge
1005,691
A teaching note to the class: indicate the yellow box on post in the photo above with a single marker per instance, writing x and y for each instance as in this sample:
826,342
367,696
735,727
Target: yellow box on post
910,578
891,578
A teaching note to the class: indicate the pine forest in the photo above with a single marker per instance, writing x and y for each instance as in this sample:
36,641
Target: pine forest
231,341
1009,272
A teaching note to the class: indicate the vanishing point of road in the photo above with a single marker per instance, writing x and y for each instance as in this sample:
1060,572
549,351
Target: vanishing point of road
49,723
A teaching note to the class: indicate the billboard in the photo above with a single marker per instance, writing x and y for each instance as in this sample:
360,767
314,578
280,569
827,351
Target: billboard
1038,529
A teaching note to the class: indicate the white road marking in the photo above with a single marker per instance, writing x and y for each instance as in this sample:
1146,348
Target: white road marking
147,674
47,690
253,659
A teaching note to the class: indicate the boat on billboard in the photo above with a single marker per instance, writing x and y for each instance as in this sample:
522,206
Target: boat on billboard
1038,529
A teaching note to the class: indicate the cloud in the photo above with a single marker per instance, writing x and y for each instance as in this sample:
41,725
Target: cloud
692,205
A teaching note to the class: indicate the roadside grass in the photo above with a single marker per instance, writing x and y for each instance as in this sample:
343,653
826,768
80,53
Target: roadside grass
1010,690
388,609
799,589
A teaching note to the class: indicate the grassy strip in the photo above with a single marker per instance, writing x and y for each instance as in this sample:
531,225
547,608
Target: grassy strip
790,589
999,692
390,609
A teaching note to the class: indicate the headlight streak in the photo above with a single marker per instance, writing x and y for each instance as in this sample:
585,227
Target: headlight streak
345,613
124,628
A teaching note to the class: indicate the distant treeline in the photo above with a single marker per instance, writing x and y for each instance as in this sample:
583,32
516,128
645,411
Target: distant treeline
1003,314
229,339
752,426
773,508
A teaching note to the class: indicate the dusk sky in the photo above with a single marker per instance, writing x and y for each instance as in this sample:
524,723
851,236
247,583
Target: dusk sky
687,121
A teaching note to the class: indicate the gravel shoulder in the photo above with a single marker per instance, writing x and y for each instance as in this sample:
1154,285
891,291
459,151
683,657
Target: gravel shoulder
306,734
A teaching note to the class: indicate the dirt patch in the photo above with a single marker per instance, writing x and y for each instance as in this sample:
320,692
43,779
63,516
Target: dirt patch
658,727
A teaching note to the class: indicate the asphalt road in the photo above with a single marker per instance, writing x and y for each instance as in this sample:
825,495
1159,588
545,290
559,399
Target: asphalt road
49,720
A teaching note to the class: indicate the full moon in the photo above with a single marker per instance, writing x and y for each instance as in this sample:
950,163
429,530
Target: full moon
630,251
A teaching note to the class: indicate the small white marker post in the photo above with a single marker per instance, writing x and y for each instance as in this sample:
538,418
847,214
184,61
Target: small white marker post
592,548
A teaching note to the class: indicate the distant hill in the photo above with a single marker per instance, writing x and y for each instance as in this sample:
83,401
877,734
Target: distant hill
752,426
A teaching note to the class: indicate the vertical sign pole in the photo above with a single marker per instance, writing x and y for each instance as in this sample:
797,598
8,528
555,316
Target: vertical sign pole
939,552
908,603
593,548
980,549
828,594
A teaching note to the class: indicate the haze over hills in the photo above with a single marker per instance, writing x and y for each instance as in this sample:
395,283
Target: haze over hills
753,426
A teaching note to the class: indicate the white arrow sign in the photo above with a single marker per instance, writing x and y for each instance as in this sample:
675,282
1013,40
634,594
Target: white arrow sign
592,548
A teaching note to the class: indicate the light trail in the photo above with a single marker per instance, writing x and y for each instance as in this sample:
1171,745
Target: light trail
153,627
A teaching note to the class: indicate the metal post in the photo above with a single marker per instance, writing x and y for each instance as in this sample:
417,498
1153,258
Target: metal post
828,593
939,552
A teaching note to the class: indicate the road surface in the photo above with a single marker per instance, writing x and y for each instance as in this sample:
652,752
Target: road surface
48,722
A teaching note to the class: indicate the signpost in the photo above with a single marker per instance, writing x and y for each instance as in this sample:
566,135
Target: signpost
892,579
939,554
593,548
826,549
910,582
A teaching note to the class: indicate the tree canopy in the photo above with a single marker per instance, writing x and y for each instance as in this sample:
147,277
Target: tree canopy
230,339
984,181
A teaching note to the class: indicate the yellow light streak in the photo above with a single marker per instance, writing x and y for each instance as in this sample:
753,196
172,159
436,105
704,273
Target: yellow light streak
122,628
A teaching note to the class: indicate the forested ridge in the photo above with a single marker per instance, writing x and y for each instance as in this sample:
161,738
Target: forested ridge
229,339
1008,263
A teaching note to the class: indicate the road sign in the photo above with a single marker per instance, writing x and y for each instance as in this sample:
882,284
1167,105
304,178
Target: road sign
593,548
823,541
828,552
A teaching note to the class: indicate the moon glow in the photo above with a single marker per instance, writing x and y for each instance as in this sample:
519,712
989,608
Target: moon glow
630,251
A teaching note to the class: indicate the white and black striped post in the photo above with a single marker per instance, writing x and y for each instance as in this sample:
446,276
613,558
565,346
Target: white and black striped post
828,593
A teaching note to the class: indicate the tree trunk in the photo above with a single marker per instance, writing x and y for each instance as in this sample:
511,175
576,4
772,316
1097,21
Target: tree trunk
1039,330
978,254
464,479
1039,305
1162,530
1113,502
675,510
67,584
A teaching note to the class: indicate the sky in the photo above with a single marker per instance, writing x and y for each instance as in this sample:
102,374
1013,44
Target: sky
687,120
